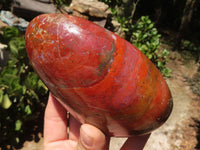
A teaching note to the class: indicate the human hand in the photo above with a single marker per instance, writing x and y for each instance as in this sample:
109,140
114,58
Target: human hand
80,137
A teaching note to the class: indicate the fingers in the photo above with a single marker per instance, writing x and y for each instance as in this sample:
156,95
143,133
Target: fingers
135,143
91,138
55,122
55,131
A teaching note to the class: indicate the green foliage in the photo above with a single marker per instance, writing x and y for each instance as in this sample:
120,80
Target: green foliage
142,34
8,34
62,2
147,39
121,12
125,24
20,91
112,2
189,45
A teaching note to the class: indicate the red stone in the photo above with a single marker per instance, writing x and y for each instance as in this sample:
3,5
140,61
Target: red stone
99,77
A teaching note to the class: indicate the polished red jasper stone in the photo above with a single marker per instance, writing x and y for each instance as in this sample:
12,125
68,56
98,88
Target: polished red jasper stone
99,77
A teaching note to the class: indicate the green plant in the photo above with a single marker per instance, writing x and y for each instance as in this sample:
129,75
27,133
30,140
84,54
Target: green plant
188,45
147,39
142,34
8,34
62,2
112,2
22,94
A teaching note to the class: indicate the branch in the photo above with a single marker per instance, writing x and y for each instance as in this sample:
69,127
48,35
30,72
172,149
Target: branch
134,9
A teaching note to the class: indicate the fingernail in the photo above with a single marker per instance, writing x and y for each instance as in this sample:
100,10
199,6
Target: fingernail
86,140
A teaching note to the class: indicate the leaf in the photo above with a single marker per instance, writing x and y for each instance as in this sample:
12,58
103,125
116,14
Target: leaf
34,95
9,33
165,52
151,25
13,48
150,56
17,140
5,103
160,64
17,47
8,70
13,83
166,72
145,35
28,110
23,89
136,34
13,61
18,125
32,80
42,85
1,96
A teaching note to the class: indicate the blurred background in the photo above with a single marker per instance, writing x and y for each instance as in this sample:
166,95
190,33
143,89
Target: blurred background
167,32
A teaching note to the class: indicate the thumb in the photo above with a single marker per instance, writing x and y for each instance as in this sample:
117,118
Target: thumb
91,138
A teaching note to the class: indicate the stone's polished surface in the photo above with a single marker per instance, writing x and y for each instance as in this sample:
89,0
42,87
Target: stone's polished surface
98,76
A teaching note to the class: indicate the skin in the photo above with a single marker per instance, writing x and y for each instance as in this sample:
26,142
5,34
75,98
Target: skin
80,137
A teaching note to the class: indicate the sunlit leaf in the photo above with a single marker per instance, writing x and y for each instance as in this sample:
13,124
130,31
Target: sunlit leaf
1,96
18,125
6,102
17,140
28,110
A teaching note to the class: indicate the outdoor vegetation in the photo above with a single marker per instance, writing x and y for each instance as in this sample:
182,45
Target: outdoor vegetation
145,24
22,94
